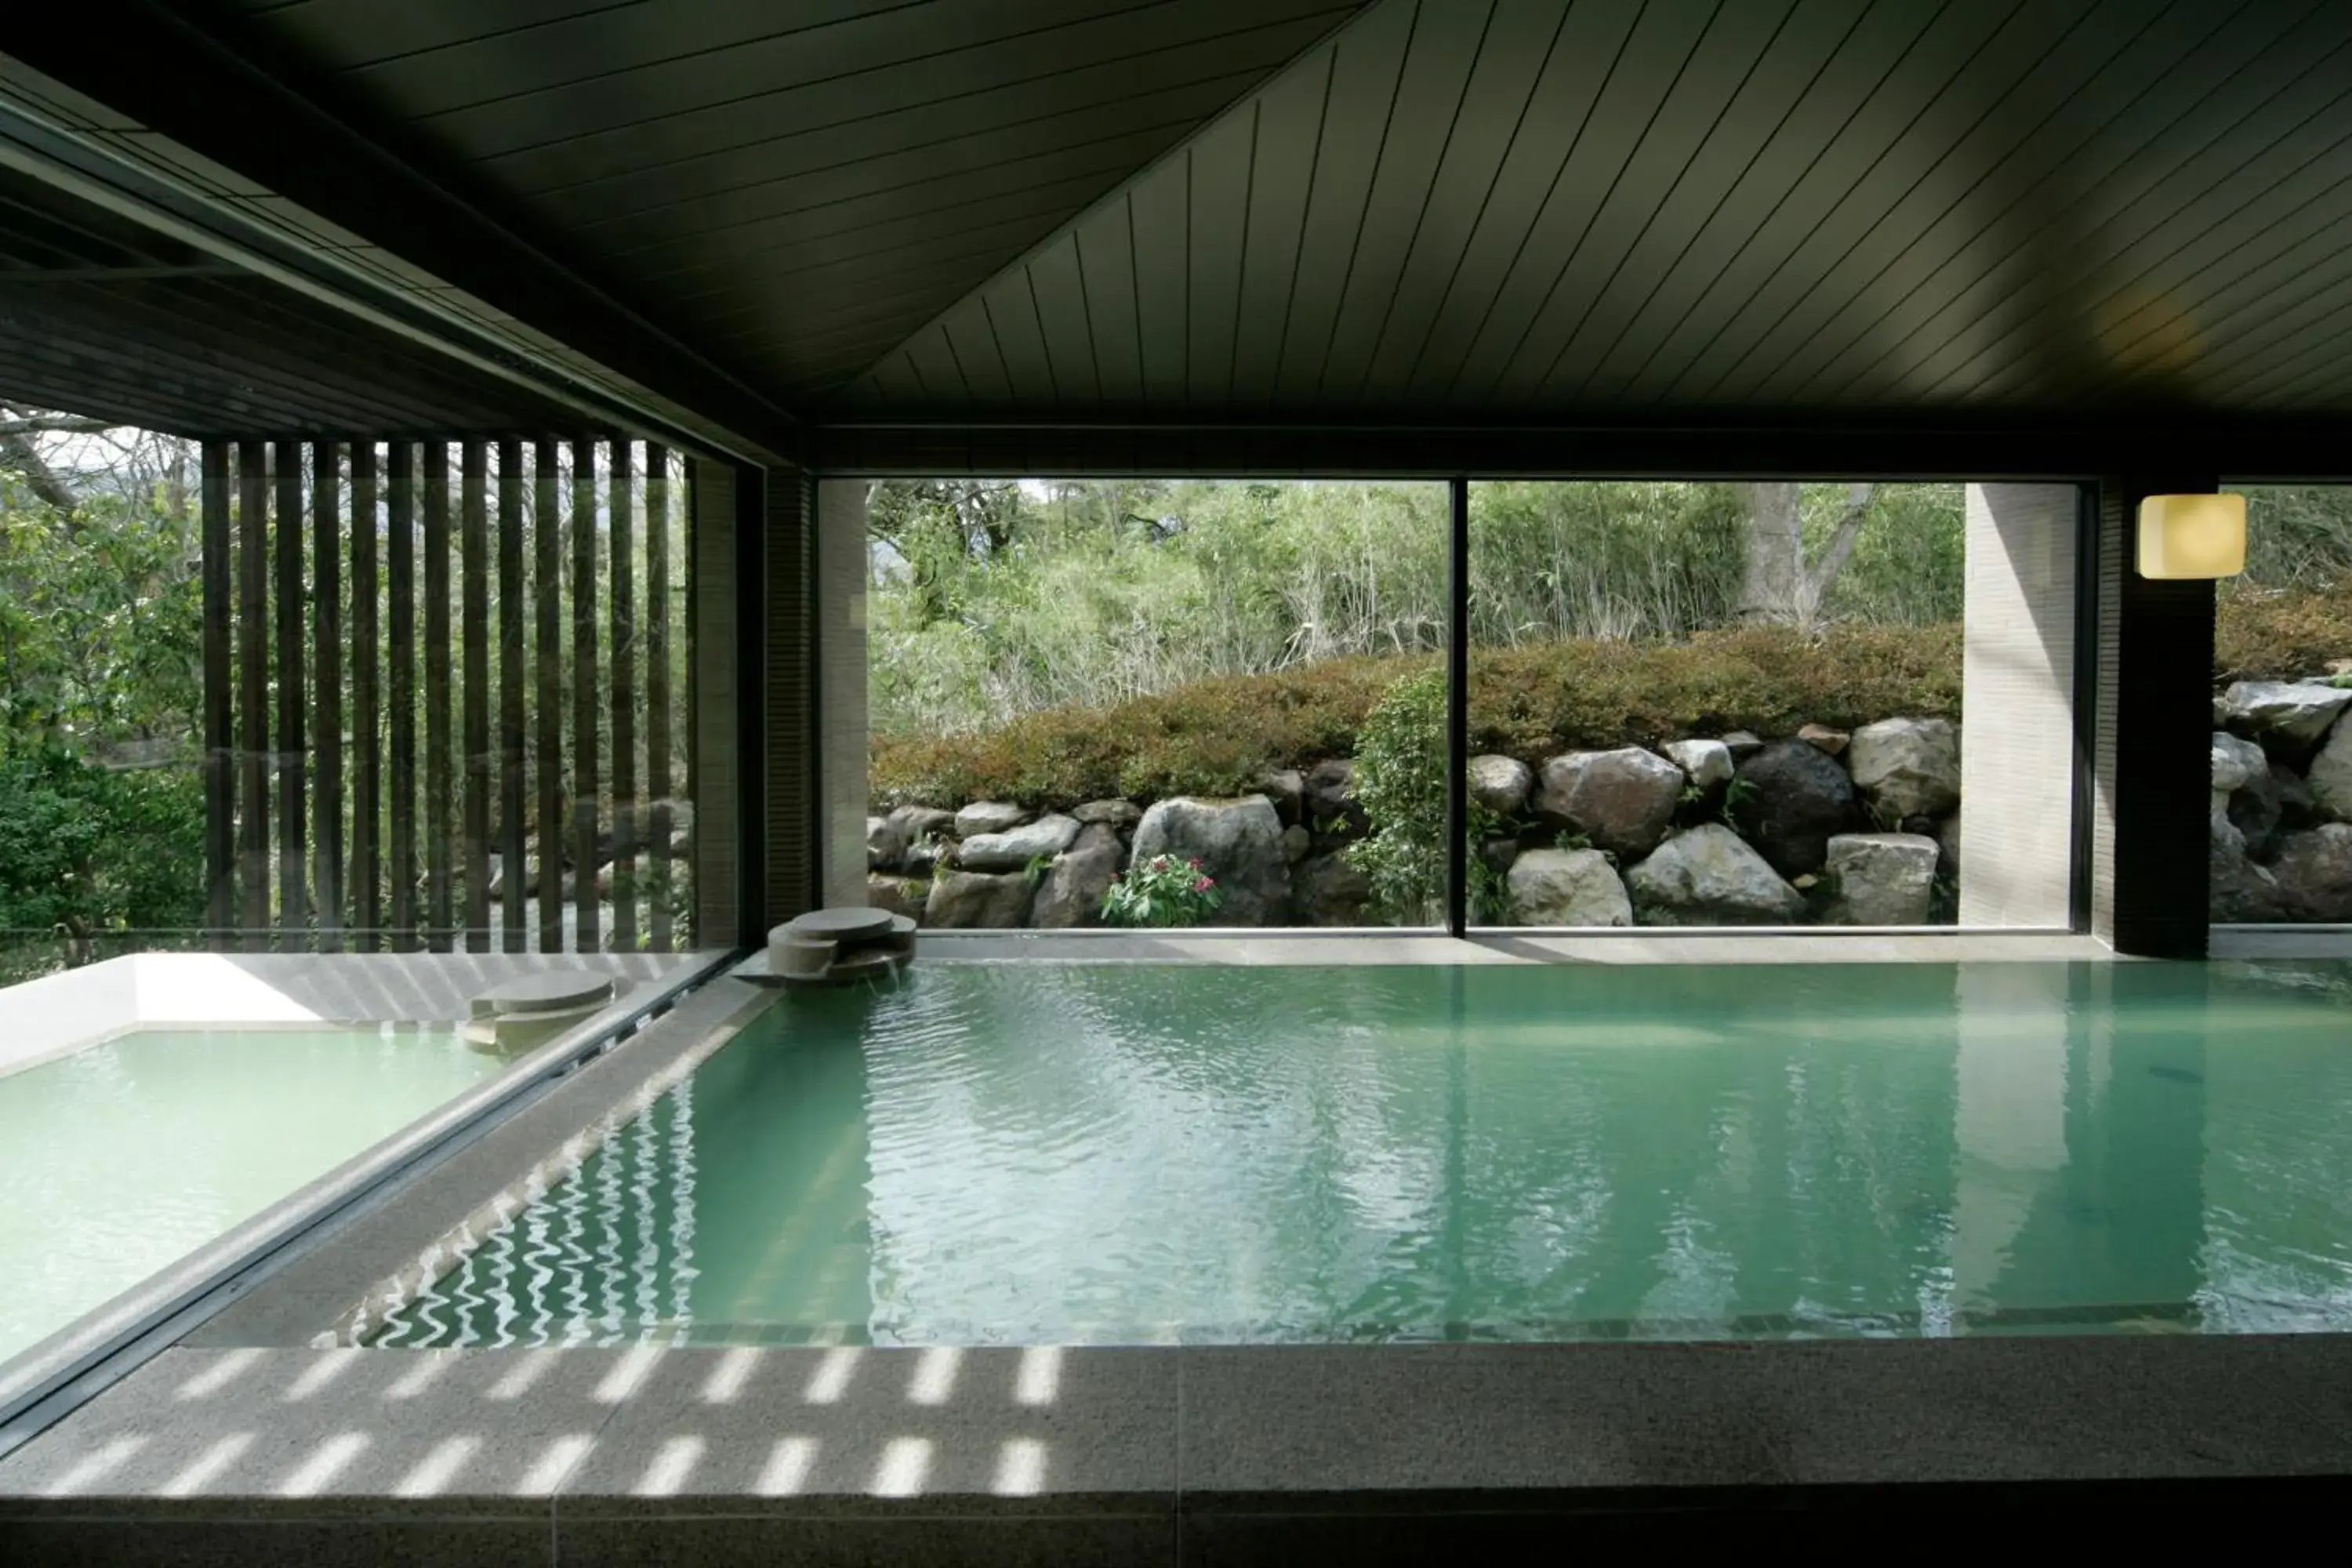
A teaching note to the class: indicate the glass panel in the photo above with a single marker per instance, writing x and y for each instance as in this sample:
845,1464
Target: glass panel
1078,688
1709,704
2282,850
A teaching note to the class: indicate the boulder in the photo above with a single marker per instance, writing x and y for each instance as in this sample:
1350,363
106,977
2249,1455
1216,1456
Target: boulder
1328,890
1908,767
884,843
1742,744
1120,814
1237,842
1295,843
1622,800
1822,738
1012,849
2314,873
899,895
1708,876
2256,809
1947,841
1566,887
2236,761
1287,787
1497,854
2295,710
2330,776
1500,783
1796,798
1879,879
915,822
1706,764
1333,812
2298,807
1072,892
988,817
2236,890
977,899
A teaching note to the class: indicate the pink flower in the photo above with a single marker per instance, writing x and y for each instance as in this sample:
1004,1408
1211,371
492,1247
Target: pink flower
1202,884
1194,862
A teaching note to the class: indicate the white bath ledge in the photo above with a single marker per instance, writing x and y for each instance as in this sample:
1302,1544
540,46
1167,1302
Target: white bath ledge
61,1013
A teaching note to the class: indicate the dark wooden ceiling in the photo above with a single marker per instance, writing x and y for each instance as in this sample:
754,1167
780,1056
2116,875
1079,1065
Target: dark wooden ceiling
1667,212
792,188
1613,209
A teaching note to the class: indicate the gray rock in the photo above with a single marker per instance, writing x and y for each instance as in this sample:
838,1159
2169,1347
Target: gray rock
1566,887
884,843
988,817
1621,800
1822,738
2330,776
2256,810
2314,873
1879,879
1237,842
1947,841
2298,807
1071,893
1109,813
2297,710
977,899
1908,767
1708,876
922,822
1706,764
1742,744
899,895
2237,759
1500,783
2236,890
1329,892
1287,787
1796,798
1012,849
1333,812
1295,843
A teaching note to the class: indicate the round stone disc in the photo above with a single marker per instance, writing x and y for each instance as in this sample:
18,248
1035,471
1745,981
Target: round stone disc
547,991
843,924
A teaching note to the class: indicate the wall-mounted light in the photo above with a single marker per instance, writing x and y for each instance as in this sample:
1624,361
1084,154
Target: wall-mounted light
2193,536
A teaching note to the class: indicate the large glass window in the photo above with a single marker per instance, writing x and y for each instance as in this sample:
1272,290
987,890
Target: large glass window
1078,689
1701,704
2281,824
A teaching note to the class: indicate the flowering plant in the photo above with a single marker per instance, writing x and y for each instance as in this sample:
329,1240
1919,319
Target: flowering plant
1162,891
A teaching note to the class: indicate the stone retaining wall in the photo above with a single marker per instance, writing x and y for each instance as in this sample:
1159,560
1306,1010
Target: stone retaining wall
2281,822
1818,828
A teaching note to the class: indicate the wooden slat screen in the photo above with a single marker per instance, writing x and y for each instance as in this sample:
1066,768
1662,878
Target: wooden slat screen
357,612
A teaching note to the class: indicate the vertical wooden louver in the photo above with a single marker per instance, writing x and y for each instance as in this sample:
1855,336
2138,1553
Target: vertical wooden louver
402,746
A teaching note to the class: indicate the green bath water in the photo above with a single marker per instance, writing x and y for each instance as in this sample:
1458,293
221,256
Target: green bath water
1043,1153
122,1159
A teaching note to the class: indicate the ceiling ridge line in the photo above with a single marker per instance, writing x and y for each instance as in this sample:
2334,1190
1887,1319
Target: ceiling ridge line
1121,191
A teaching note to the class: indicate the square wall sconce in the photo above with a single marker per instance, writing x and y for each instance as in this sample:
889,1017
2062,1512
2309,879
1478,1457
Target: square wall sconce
2193,536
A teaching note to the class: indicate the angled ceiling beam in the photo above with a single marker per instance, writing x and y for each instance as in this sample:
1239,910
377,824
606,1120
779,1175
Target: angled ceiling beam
154,62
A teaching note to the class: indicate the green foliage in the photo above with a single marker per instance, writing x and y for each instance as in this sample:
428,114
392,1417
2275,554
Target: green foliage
84,851
2281,634
1401,778
1162,893
1908,567
1218,736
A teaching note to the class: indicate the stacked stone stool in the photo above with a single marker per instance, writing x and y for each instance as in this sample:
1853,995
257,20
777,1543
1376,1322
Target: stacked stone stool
840,947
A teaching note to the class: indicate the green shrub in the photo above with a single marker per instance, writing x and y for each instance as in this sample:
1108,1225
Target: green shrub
84,851
1401,778
1161,892
1218,736
2264,635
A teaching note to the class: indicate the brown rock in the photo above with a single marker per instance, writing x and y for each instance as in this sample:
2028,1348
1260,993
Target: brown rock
1822,738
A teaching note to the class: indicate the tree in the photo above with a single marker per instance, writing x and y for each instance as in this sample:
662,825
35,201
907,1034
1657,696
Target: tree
1778,584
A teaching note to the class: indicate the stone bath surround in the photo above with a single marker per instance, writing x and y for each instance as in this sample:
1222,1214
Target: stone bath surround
1823,828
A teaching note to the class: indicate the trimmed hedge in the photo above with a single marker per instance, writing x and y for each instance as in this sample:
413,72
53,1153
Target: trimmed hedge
1217,736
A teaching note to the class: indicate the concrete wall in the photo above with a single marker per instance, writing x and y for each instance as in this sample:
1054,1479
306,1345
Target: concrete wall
841,712
2018,755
